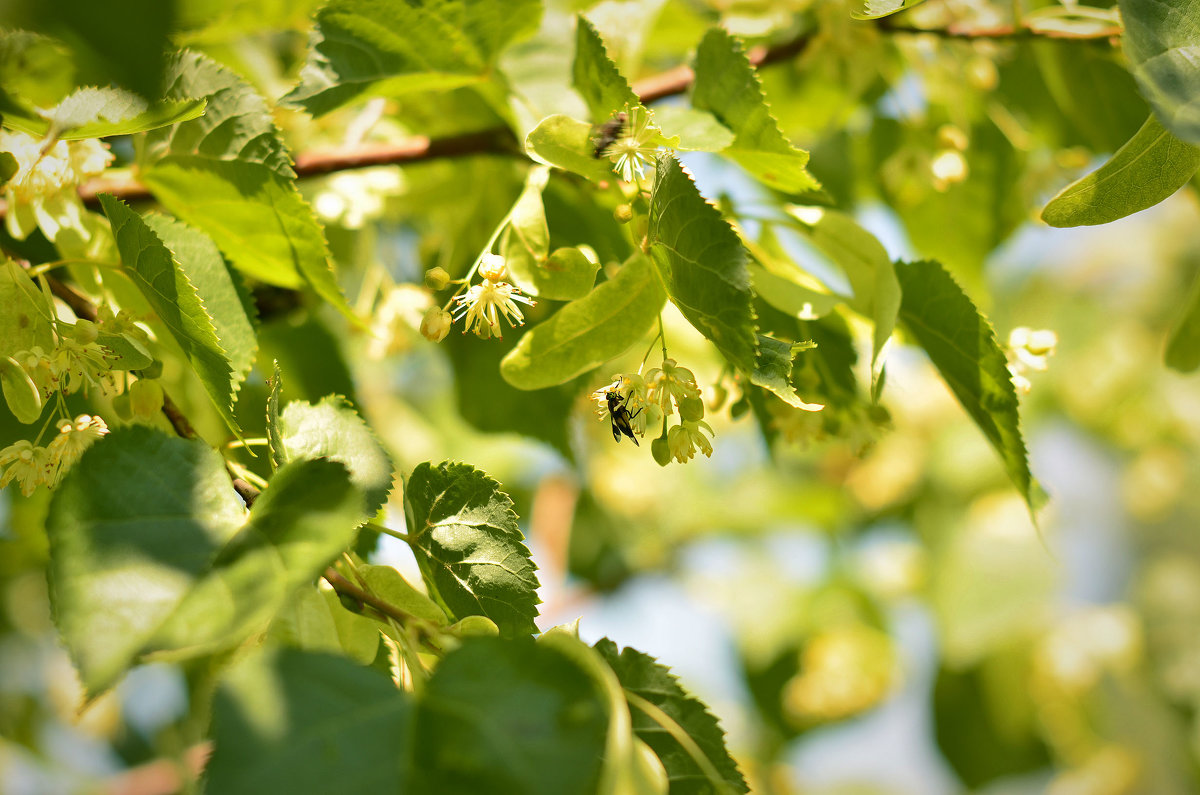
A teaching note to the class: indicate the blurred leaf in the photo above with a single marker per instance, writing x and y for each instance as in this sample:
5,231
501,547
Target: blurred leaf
1150,167
877,9
567,143
562,276
166,286
1160,41
962,346
274,433
225,299
310,354
362,48
507,716
641,675
979,724
332,429
20,393
472,556
1183,347
696,130
596,77
390,585
865,262
588,332
703,264
128,47
131,528
96,113
314,620
302,722
727,86
789,297
25,319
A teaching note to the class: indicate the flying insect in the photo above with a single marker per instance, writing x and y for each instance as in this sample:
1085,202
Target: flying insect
619,413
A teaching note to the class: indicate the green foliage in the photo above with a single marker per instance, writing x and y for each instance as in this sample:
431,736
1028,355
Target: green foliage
878,9
25,322
97,113
362,48
568,144
304,722
586,333
1183,347
702,263
1160,39
164,282
1151,166
472,555
727,86
962,346
596,77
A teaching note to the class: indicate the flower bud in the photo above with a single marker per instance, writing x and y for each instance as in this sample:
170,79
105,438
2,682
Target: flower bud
153,371
436,278
492,267
85,331
436,324
716,395
660,448
623,213
691,409
122,407
145,397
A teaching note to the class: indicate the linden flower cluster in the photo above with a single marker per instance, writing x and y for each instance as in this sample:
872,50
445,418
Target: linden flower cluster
77,362
42,192
485,303
636,146
650,400
1029,350
31,466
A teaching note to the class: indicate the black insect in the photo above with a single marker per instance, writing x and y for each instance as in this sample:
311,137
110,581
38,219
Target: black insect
608,133
621,417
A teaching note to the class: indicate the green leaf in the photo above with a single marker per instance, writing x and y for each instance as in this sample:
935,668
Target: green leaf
256,217
274,433
727,86
1151,166
315,620
794,299
1183,347
8,167
641,675
363,48
865,262
773,372
567,274
696,130
332,429
302,722
472,556
97,113
508,716
596,77
390,585
131,528
20,393
225,299
562,276
566,143
125,352
703,264
1160,41
167,288
962,346
24,313
588,332
237,123
877,9
127,48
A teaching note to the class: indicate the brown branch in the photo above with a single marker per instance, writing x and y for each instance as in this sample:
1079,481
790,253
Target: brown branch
347,588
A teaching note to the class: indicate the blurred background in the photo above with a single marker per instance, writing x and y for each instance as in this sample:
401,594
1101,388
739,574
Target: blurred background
861,596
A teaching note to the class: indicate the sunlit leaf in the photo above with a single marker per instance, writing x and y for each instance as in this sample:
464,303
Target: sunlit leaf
567,143
596,77
472,555
1150,167
773,372
586,333
97,113
1160,41
702,263
877,9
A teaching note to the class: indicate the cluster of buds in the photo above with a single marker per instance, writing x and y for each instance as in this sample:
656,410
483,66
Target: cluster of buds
1029,350
633,403
32,466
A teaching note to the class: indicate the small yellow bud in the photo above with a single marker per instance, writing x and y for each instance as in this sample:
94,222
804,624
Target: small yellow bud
623,213
492,267
660,448
436,278
691,409
436,324
122,407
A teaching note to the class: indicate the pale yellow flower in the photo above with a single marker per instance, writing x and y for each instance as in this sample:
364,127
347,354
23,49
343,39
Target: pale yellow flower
637,146
72,440
436,324
25,464
671,381
42,192
686,437
79,364
483,305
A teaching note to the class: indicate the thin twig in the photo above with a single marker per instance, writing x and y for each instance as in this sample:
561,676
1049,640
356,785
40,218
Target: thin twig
347,588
